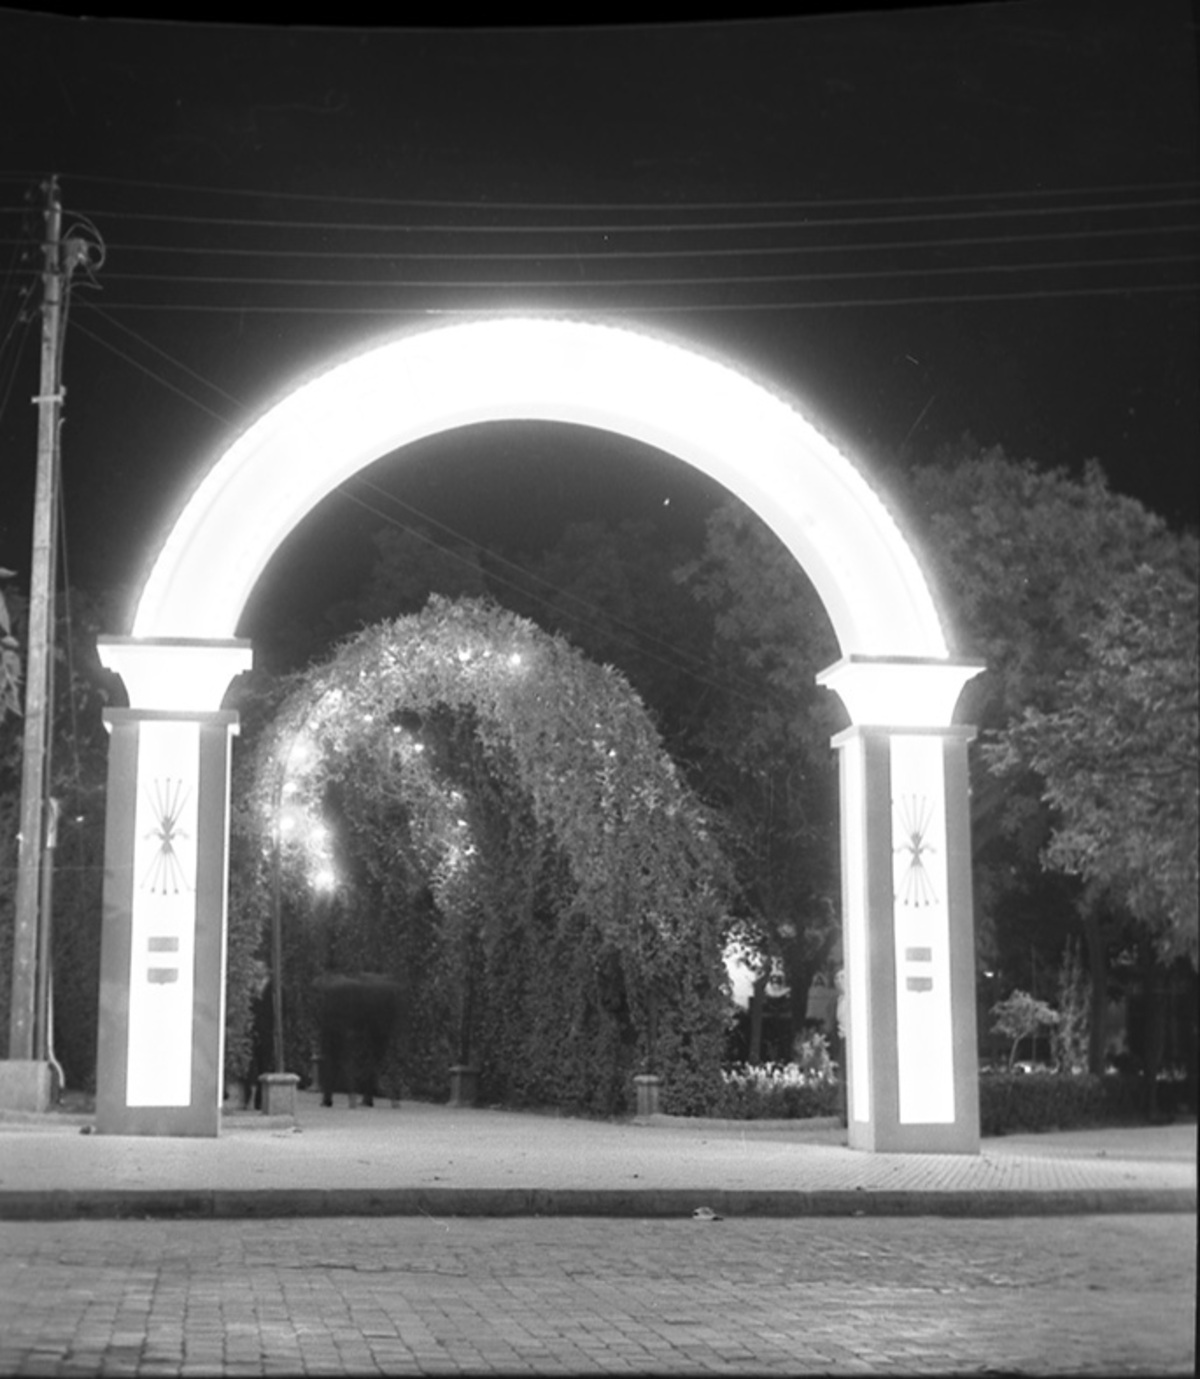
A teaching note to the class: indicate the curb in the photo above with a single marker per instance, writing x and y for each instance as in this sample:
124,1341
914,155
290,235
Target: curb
276,1203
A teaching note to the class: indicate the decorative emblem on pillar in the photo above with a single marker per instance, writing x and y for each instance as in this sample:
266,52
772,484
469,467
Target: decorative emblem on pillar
914,814
165,874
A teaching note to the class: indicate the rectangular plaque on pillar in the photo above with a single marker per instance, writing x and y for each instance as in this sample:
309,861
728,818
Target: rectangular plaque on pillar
162,964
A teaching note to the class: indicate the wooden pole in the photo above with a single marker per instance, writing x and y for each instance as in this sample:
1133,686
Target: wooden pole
40,650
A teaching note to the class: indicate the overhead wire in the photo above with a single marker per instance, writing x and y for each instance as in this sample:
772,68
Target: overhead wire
659,308
155,349
491,203
1154,197
218,251
1097,200
647,227
709,280
158,378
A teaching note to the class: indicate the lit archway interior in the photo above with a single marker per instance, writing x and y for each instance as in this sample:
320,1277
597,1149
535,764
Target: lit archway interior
905,836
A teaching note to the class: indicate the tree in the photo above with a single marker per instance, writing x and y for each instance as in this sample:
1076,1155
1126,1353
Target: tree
1120,754
10,659
1021,1016
610,589
1019,554
76,762
760,752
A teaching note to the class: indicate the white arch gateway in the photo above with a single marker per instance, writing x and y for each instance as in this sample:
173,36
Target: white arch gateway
908,933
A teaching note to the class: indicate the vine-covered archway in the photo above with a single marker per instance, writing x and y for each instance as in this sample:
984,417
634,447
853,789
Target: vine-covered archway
473,804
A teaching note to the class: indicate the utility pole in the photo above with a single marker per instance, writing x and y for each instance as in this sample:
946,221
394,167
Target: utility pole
40,651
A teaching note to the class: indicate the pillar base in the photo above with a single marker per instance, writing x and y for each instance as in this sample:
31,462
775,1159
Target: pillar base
26,1084
960,1137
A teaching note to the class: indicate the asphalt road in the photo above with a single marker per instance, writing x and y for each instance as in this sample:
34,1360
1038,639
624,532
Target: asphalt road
927,1295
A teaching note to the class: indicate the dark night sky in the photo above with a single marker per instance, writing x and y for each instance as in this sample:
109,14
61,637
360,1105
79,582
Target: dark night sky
1055,135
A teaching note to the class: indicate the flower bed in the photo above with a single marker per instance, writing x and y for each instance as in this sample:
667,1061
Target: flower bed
800,1090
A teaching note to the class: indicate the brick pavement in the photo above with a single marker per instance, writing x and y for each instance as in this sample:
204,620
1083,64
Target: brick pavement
354,1296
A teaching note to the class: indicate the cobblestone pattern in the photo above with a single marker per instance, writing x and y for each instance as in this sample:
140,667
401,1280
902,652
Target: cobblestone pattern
364,1296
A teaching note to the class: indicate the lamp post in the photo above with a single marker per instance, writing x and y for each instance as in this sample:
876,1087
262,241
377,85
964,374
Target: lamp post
277,923
299,746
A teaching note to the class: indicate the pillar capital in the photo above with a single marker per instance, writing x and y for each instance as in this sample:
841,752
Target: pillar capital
899,691
180,674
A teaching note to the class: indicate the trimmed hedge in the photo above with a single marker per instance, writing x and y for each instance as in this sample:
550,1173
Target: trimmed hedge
1011,1103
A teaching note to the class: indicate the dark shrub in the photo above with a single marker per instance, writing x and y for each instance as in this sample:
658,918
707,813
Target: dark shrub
1010,1103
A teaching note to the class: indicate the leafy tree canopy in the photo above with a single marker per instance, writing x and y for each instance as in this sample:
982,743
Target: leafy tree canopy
1082,603
1120,753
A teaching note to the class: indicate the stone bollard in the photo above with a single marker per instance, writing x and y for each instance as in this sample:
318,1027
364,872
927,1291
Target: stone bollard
647,1085
25,1085
464,1085
279,1094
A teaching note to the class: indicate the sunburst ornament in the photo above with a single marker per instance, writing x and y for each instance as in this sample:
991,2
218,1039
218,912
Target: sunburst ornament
166,875
914,816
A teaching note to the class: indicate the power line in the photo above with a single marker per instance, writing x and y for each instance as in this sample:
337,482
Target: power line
576,308
158,378
648,227
708,280
179,364
609,254
1038,193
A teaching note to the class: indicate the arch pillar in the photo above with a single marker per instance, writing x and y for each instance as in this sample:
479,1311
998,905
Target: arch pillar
907,917
160,1040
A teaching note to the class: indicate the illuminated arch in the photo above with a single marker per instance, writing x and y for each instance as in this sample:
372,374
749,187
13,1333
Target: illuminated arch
910,990
735,430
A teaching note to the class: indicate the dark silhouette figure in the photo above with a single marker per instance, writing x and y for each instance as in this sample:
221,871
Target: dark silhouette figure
358,1015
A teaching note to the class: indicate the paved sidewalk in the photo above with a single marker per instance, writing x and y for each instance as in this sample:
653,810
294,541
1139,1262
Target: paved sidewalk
418,1159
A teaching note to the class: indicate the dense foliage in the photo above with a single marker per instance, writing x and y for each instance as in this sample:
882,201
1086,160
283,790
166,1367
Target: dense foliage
1082,602
1120,753
474,808
1015,1102
76,761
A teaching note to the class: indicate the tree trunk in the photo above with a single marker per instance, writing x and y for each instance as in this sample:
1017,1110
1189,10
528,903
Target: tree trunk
1157,988
800,978
1097,948
757,998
